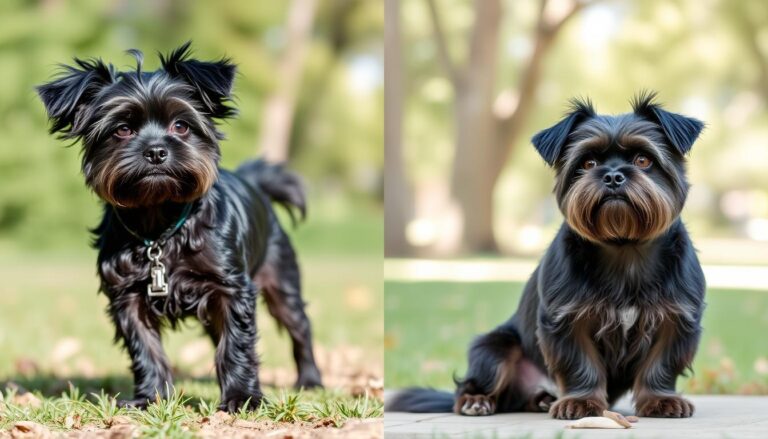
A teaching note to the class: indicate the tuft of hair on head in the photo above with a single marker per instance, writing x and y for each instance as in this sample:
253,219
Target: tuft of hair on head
138,55
644,100
681,131
213,81
177,55
581,104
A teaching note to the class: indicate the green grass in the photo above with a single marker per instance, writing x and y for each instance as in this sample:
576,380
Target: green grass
180,415
429,325
54,330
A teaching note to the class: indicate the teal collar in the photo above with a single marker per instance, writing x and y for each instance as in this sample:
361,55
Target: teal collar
163,236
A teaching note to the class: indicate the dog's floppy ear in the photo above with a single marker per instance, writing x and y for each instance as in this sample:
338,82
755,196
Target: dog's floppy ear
66,95
549,142
212,80
681,130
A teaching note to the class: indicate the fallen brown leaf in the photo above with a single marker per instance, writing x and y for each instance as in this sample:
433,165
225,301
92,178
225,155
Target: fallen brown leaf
29,429
119,420
73,420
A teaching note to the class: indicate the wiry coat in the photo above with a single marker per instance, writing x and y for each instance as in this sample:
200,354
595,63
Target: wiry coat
616,302
151,152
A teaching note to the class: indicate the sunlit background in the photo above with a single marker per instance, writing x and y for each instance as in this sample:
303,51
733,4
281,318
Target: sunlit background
472,81
707,59
309,90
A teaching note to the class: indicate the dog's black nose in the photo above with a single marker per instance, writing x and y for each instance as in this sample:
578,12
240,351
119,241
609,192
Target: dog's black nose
613,179
156,154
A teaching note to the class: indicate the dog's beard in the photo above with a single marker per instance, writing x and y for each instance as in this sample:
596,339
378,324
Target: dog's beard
641,211
122,183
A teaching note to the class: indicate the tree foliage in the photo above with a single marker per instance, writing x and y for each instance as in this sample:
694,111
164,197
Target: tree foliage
335,142
706,61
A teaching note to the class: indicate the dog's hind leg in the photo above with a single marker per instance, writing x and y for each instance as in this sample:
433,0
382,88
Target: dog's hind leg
280,282
500,378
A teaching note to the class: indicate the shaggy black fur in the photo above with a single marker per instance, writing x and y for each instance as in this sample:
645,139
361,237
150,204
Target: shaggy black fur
616,302
150,148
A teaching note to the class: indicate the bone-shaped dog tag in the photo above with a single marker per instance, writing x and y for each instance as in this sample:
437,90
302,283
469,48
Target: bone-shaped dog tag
159,285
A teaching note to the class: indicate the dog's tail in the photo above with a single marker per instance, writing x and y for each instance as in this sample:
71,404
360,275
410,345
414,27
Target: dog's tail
281,186
420,400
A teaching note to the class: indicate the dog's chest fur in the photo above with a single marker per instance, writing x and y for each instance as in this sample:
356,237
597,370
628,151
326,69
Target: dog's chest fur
628,317
196,270
622,335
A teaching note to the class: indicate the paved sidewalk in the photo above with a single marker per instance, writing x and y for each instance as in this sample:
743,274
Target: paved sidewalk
716,417
746,277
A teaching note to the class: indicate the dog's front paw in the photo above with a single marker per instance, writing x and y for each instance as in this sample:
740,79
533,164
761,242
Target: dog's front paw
234,404
667,406
577,408
136,403
474,405
309,379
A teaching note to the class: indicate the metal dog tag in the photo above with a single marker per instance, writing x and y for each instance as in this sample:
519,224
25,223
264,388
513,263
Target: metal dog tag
158,287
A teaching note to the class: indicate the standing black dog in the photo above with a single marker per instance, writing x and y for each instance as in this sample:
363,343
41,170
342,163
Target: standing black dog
616,302
179,236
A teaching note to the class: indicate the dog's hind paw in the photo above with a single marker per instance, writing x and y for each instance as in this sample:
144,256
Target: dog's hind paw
474,405
541,402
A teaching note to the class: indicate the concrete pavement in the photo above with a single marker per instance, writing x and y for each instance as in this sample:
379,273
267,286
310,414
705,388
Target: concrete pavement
727,416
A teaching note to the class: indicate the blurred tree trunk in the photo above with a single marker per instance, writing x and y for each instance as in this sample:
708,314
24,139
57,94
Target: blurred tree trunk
747,25
484,136
397,196
471,180
280,107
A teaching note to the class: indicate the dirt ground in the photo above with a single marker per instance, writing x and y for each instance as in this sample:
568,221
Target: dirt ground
346,369
217,426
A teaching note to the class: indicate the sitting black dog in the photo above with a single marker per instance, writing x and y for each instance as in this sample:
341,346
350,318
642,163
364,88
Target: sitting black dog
617,300
181,237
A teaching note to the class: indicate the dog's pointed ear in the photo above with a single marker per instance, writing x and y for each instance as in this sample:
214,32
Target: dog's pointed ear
212,81
550,142
74,88
681,130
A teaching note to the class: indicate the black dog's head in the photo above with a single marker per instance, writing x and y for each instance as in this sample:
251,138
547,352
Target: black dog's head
148,137
620,178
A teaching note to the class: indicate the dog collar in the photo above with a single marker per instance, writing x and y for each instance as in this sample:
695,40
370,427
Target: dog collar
163,236
158,285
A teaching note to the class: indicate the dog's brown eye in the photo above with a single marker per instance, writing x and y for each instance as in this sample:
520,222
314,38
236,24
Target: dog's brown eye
589,164
642,162
124,131
180,127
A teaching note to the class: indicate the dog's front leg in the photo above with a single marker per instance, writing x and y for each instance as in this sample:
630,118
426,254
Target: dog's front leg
671,353
233,329
577,367
139,330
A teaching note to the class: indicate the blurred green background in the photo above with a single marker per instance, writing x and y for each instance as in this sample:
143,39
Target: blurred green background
322,59
472,209
706,59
